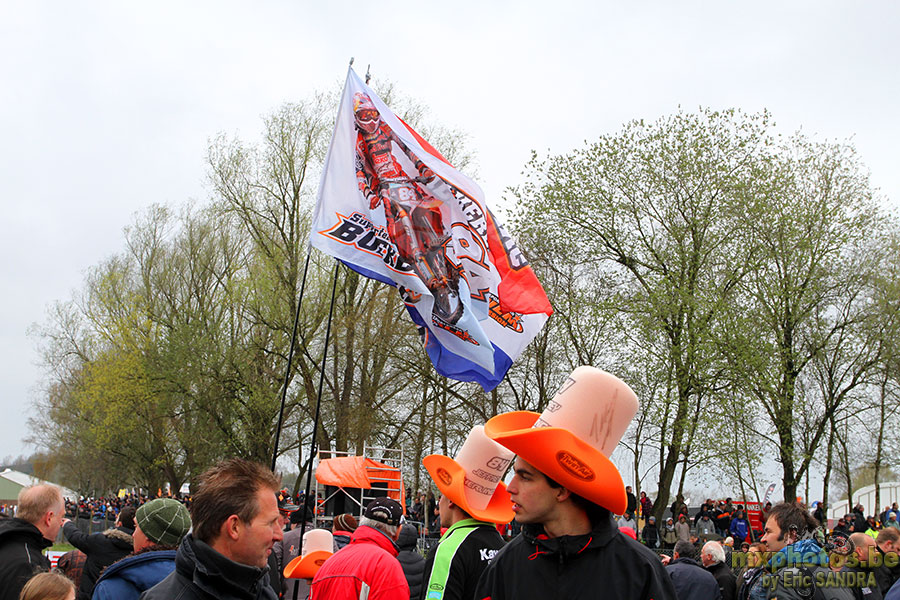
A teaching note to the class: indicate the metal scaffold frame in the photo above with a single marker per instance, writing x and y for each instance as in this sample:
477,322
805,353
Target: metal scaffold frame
392,461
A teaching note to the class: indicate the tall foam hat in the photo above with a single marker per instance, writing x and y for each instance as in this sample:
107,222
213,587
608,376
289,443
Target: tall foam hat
317,547
572,440
472,479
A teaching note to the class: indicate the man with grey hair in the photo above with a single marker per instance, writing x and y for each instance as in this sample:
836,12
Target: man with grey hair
712,555
22,538
367,567
691,581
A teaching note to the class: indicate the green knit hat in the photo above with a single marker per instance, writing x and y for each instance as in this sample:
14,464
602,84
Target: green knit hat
164,521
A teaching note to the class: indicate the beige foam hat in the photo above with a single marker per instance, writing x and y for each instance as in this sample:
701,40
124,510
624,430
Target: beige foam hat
572,440
472,479
317,547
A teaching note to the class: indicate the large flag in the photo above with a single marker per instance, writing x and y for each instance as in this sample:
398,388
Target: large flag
392,208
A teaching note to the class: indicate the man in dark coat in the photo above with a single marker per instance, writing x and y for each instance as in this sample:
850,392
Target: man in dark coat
412,562
102,549
40,513
888,544
650,533
569,546
236,523
631,507
712,555
865,567
159,527
691,581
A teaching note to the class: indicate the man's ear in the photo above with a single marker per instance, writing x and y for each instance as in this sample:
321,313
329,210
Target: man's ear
231,528
562,494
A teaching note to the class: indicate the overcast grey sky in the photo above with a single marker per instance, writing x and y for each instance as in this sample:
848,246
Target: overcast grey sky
106,107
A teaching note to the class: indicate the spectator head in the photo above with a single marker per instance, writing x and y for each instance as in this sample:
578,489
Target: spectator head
787,523
344,522
43,506
48,586
384,515
652,520
889,539
126,518
755,553
712,553
684,549
235,511
865,548
161,523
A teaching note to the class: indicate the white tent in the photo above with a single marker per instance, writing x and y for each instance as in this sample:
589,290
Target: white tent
24,480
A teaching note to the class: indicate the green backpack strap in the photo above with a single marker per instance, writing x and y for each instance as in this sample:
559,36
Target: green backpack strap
449,544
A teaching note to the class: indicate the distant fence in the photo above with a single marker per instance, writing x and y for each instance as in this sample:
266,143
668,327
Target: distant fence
87,526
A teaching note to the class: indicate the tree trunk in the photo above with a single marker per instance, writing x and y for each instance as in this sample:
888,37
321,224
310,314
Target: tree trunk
829,459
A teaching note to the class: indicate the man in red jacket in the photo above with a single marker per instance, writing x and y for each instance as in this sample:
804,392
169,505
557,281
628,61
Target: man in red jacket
367,567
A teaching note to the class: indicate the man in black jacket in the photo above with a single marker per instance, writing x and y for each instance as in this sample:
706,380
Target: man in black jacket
412,562
713,558
473,500
888,544
564,493
236,523
691,581
102,549
39,518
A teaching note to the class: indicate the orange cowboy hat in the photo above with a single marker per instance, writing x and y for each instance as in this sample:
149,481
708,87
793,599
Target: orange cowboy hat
572,440
472,479
318,545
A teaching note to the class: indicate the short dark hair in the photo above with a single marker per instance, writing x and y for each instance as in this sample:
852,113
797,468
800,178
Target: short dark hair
685,549
126,517
228,488
790,516
595,512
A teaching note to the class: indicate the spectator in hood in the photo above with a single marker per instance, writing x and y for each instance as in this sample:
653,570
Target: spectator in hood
411,561
102,549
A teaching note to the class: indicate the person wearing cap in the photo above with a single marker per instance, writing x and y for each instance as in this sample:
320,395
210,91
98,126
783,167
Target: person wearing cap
473,500
159,526
235,524
342,527
286,508
564,492
367,567
102,549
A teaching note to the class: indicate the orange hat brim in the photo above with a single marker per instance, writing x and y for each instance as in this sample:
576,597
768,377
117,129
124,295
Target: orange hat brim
560,455
449,476
307,565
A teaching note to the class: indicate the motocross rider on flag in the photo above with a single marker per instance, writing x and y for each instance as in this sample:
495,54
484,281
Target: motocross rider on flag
413,215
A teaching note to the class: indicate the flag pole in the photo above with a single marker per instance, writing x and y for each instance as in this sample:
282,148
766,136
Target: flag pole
312,447
287,372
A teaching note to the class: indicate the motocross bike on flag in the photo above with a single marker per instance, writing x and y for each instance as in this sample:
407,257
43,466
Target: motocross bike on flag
413,214
392,208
